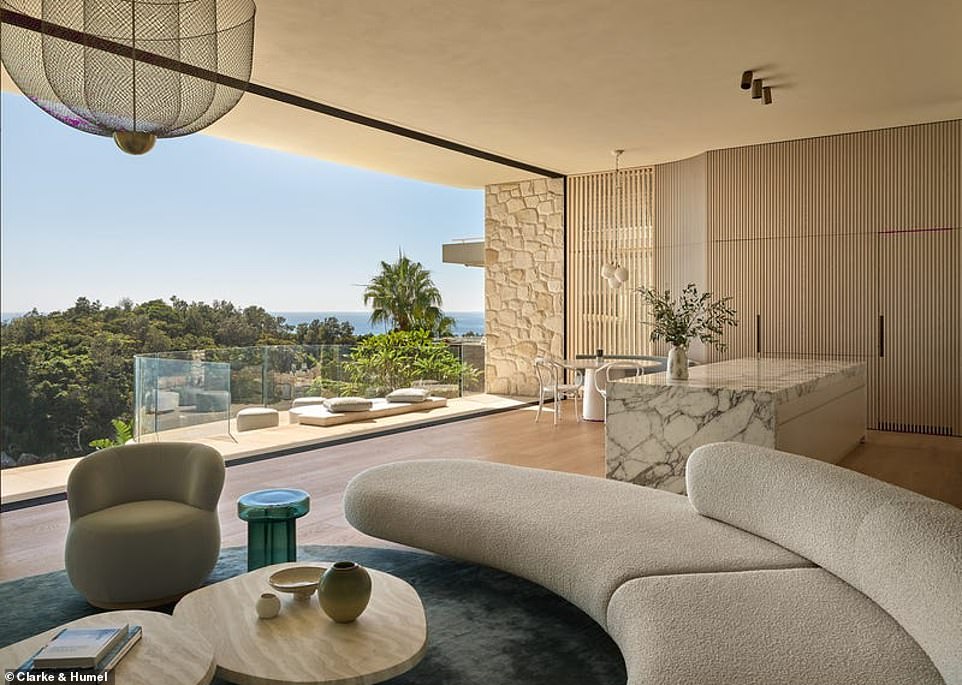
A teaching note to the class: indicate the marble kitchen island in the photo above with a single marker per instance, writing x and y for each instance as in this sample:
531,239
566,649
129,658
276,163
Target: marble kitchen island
805,406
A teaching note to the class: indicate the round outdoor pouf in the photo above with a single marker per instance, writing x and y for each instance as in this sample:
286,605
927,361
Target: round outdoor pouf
271,517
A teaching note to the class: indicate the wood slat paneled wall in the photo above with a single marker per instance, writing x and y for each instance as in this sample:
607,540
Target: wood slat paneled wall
814,239
608,220
804,235
680,235
920,300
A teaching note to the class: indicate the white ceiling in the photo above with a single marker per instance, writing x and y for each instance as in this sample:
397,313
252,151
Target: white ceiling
560,84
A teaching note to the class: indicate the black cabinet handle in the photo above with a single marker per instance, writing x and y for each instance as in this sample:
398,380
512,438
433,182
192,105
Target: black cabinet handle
881,335
758,334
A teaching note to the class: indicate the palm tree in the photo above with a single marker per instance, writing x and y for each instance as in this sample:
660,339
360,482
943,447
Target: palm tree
404,296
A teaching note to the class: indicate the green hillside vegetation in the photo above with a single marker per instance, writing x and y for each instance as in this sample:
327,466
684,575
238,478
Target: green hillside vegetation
66,375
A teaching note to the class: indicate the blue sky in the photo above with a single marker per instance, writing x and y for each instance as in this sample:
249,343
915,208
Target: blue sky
205,219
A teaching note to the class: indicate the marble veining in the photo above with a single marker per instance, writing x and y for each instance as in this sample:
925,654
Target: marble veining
786,378
654,422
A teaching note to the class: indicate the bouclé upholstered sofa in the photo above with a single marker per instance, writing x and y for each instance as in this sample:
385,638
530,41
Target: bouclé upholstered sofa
775,569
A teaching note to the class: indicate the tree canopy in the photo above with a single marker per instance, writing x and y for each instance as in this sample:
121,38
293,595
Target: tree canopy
404,296
68,374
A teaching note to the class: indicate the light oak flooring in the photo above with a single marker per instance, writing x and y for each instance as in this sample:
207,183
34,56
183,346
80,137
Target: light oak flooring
39,480
32,539
928,464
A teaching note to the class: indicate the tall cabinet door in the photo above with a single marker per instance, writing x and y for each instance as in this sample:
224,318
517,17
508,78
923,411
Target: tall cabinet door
920,331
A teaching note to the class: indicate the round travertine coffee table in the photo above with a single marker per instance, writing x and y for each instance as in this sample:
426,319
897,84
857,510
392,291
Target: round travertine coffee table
302,645
166,653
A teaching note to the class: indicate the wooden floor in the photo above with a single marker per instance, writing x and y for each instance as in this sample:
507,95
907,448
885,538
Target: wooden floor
40,480
32,539
928,464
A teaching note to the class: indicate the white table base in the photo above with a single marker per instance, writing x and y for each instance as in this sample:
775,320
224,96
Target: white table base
593,403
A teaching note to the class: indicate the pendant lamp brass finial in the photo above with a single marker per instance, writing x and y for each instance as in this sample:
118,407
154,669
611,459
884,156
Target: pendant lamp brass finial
135,142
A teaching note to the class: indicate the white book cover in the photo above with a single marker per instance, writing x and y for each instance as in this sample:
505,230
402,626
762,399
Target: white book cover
79,647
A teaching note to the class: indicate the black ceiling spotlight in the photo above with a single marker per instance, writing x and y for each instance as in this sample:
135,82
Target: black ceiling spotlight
759,90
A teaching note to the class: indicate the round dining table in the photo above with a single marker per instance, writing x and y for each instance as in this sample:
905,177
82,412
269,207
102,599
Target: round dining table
593,402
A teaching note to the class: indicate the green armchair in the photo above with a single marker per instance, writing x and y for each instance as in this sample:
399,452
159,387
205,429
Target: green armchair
143,522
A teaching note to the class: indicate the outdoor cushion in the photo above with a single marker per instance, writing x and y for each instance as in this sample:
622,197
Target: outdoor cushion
161,401
307,401
342,404
408,395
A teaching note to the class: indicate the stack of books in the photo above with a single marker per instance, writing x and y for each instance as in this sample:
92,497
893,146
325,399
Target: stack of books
84,650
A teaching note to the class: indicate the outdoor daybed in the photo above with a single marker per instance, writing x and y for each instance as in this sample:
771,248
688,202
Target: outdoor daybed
776,569
318,415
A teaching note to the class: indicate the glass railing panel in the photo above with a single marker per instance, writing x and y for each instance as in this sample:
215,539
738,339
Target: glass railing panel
174,396
472,355
211,386
328,373
246,374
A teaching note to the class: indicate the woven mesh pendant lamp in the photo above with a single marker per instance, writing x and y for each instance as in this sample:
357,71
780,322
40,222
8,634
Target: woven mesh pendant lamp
130,69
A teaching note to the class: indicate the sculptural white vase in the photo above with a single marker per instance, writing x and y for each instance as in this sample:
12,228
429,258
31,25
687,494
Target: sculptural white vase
268,605
678,363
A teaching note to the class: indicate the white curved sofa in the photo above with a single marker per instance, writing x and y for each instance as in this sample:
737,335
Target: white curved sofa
776,569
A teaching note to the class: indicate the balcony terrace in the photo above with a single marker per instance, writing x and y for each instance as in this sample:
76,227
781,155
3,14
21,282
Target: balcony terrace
50,479
195,396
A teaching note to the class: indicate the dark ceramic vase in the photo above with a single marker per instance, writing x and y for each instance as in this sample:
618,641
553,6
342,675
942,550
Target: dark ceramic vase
344,591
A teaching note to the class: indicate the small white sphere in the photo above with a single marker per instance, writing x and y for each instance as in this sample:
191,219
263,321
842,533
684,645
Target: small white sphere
608,270
268,605
621,273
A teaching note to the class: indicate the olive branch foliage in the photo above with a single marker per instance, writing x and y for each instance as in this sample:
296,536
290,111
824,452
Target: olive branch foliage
692,315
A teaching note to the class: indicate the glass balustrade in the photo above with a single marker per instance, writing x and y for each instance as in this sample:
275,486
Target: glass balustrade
196,393
180,394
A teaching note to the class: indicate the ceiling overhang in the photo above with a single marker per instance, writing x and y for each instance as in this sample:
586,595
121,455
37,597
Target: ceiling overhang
559,85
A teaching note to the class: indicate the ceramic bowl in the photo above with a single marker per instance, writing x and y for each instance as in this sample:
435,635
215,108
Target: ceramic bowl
301,581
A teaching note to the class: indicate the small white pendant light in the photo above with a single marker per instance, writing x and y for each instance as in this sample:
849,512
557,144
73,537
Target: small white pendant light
613,271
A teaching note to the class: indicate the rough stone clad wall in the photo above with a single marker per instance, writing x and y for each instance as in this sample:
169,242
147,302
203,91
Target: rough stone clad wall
524,281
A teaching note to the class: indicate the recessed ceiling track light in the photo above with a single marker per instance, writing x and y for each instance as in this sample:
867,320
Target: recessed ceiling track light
767,95
756,89
747,79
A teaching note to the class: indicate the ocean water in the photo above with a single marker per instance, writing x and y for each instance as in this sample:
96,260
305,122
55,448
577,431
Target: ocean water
465,322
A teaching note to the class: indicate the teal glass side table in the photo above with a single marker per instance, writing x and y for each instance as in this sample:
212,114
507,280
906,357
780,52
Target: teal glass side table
271,517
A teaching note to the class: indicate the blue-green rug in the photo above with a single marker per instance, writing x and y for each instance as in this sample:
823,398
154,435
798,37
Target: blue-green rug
484,626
